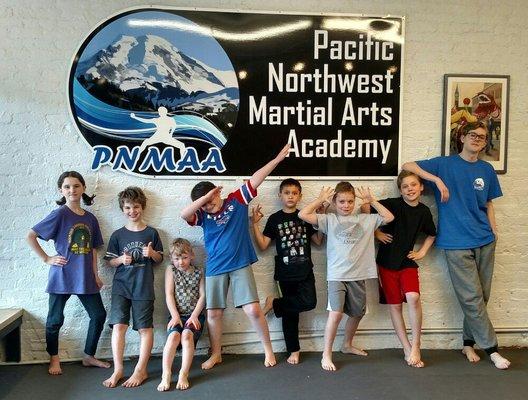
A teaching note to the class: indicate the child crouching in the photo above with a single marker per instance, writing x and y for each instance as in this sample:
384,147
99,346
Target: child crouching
185,297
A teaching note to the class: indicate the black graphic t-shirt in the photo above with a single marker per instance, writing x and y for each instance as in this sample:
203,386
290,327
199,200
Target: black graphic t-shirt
292,240
134,281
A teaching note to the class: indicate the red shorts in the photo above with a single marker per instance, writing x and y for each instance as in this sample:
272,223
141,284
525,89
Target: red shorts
394,284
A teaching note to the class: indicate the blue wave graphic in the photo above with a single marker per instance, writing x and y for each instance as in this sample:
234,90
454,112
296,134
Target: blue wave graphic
116,123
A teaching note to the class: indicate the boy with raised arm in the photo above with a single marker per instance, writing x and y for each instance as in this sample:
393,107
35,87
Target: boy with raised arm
467,233
350,259
230,254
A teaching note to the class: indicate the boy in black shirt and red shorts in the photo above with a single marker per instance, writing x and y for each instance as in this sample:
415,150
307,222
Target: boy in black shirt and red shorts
396,259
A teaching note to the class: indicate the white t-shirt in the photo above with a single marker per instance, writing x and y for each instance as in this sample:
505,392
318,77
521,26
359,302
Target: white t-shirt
350,245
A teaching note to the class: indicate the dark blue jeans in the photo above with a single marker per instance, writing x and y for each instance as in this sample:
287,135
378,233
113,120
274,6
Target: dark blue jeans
94,307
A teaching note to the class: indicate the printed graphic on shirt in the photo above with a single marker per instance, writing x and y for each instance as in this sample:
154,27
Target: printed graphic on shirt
223,217
79,239
294,239
135,250
478,184
349,234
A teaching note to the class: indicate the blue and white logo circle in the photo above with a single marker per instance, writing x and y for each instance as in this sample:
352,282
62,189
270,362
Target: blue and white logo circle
154,93
478,184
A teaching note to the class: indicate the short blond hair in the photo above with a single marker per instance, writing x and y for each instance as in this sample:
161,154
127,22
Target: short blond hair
181,246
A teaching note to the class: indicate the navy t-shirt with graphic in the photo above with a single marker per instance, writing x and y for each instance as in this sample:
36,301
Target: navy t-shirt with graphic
134,281
75,237
292,238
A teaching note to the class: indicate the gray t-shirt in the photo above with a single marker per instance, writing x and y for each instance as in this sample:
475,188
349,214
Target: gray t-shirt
350,245
134,281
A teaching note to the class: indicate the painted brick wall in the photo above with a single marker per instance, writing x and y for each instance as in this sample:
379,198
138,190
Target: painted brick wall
38,142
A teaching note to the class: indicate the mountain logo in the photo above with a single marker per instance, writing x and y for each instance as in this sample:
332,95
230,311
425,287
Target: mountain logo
154,93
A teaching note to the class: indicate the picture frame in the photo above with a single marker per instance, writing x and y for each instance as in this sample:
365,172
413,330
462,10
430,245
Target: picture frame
477,98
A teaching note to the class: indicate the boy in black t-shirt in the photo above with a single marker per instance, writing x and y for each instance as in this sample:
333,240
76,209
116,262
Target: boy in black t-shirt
293,264
396,259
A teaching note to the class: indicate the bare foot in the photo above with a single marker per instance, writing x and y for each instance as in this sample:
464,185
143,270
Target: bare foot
415,359
353,350
269,360
327,364
137,378
91,361
212,361
183,381
165,383
499,361
54,366
113,380
470,354
294,357
268,305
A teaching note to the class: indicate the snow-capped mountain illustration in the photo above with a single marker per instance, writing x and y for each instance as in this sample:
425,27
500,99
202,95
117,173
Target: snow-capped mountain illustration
149,69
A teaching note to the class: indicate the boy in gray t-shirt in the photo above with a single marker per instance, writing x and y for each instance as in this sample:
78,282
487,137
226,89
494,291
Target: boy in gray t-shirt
350,259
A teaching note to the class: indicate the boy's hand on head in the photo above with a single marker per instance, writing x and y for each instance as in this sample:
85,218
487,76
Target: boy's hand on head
382,236
174,322
326,194
213,192
148,251
56,260
126,259
194,322
256,214
283,153
365,194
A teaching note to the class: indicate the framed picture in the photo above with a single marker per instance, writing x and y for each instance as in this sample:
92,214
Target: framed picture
477,98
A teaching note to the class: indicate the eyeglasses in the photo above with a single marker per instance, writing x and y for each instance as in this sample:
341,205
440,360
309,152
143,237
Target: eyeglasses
475,136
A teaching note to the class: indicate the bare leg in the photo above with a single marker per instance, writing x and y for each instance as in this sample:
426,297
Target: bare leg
187,357
54,365
118,348
214,325
334,318
470,354
350,330
169,351
254,312
499,361
415,315
145,348
294,357
398,323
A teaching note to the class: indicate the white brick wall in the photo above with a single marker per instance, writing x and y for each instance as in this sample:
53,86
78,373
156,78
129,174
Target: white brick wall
38,142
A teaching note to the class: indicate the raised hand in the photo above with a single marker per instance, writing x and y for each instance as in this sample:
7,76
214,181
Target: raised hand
256,213
148,250
326,195
213,193
283,153
365,194
126,259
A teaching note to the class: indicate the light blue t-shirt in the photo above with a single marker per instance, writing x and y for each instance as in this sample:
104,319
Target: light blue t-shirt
463,220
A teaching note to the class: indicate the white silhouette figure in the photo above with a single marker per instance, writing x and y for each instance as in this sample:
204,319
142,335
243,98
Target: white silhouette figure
165,126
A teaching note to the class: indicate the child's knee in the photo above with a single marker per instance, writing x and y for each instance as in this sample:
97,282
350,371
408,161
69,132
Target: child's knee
413,298
145,332
396,307
253,310
187,337
215,314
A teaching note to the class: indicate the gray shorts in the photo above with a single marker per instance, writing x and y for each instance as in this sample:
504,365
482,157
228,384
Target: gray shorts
243,288
349,297
142,312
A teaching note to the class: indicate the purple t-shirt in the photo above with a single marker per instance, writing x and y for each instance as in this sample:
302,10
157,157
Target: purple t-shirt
75,237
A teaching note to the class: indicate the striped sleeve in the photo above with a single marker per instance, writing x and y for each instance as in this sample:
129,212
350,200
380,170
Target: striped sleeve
244,194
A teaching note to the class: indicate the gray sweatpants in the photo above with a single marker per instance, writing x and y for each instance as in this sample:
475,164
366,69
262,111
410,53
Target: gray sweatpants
471,272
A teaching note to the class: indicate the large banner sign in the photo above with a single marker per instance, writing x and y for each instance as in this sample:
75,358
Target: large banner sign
185,93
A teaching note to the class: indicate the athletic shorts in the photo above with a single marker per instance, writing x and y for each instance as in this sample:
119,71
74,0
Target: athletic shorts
349,297
179,328
243,288
395,283
142,312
